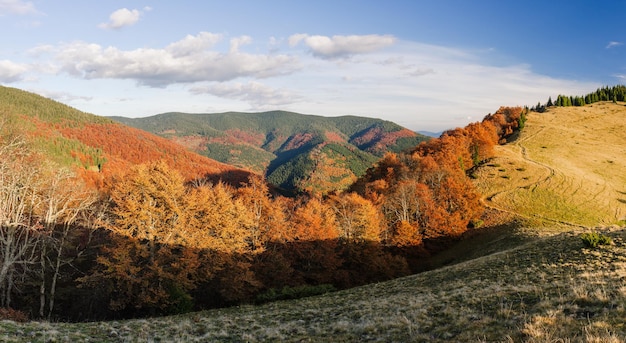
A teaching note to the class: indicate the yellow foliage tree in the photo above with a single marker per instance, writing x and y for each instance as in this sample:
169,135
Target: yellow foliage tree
357,218
148,266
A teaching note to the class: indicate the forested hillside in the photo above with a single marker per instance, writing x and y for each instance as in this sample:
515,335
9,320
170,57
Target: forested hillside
98,146
161,234
295,151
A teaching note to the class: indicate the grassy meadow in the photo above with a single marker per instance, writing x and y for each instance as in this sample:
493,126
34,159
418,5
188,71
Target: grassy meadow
567,166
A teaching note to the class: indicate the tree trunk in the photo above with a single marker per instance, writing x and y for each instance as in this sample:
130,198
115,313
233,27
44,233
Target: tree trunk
42,286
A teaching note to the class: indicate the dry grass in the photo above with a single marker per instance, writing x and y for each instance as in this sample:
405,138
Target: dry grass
567,166
550,290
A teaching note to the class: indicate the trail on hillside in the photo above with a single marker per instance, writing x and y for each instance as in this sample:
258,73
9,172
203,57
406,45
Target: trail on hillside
490,200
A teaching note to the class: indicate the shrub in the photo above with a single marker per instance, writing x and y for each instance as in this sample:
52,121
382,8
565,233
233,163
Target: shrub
593,239
180,301
14,315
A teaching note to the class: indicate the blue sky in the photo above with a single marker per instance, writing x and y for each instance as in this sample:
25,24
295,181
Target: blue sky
427,65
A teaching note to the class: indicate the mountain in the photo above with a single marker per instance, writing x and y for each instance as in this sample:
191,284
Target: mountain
296,151
97,146
531,276
430,133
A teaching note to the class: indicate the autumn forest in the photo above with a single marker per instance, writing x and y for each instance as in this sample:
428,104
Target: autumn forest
102,221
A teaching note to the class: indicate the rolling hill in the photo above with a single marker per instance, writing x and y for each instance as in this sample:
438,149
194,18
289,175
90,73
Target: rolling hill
97,146
296,151
567,166
532,281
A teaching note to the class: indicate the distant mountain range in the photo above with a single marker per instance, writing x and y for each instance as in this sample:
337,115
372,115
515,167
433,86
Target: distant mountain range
430,133
295,151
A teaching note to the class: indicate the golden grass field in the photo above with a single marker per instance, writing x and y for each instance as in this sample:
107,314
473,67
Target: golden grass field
568,165
531,281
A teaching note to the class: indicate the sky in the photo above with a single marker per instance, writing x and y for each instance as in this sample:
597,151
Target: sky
426,65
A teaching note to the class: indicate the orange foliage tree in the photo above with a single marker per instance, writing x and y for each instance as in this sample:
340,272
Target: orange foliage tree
147,266
426,194
312,249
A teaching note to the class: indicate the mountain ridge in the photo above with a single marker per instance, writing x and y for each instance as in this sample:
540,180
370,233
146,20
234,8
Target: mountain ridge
281,143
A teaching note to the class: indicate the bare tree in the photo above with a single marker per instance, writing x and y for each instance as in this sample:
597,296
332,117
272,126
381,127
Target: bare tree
19,228
64,202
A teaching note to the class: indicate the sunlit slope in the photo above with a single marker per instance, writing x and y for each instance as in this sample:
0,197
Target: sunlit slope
568,165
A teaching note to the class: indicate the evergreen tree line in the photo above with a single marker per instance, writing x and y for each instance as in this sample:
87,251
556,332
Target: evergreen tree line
615,94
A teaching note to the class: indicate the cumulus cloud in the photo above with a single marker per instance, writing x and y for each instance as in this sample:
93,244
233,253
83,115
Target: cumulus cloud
613,44
122,18
188,60
191,45
342,46
11,71
254,93
235,43
420,86
17,7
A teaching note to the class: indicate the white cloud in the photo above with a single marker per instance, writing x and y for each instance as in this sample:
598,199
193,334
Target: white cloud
613,44
235,43
17,7
11,71
342,46
258,95
620,77
122,18
193,44
421,86
186,61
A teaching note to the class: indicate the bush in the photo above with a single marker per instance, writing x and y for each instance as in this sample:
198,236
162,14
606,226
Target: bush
14,315
180,301
593,239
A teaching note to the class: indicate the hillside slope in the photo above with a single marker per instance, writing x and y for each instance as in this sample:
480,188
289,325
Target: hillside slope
550,290
95,145
566,166
294,150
